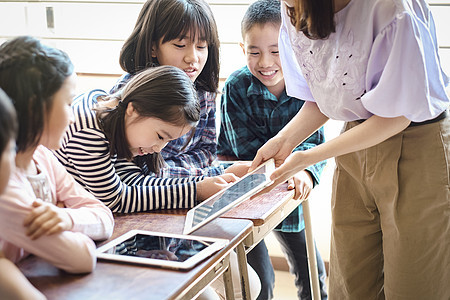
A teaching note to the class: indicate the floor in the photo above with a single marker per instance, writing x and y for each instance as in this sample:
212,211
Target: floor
284,286
284,281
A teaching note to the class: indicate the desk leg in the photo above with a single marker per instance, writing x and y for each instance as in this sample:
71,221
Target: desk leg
311,252
228,281
243,271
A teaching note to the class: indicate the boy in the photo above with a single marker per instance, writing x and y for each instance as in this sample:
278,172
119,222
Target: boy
254,108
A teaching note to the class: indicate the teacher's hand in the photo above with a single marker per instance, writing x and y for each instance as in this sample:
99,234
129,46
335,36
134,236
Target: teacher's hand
276,148
293,164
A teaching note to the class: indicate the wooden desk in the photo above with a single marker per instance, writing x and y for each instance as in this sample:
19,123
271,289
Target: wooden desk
266,212
123,281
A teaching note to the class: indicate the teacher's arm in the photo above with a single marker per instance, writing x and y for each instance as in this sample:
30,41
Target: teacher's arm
373,131
307,121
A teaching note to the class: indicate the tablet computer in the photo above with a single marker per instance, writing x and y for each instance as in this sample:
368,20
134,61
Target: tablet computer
174,251
229,197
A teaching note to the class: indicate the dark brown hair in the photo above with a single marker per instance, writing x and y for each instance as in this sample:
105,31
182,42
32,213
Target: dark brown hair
8,121
165,93
30,74
166,20
261,12
315,18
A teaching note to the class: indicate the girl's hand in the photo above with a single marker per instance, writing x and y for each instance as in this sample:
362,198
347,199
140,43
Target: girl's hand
211,185
276,148
303,184
46,219
239,168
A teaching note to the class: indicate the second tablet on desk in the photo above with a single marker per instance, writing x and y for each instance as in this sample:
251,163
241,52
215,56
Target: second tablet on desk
173,251
228,198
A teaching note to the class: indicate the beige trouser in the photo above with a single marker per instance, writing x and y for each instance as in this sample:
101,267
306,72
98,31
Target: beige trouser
391,218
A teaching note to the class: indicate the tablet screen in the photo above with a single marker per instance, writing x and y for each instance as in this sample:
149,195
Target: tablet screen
228,198
160,249
230,195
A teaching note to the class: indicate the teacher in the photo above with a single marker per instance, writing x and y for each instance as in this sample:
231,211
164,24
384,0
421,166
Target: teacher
375,65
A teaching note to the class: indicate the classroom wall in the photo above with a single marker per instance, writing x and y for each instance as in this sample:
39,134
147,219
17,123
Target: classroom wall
92,33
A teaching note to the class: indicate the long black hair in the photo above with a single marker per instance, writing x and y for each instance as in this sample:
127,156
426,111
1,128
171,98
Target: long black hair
8,121
166,20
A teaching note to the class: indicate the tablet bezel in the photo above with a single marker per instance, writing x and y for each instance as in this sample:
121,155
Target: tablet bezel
269,167
215,244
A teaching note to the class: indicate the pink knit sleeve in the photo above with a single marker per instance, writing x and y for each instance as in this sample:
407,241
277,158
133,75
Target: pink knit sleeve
90,216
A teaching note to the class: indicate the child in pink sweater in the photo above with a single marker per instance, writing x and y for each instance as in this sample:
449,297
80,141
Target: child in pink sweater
13,285
44,211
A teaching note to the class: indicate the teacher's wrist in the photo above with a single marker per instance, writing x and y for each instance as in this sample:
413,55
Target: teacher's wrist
287,139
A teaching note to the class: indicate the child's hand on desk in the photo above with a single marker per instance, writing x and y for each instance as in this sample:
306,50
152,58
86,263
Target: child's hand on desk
239,168
211,185
46,219
303,184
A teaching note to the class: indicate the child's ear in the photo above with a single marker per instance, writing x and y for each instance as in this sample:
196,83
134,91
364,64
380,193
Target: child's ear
153,51
130,109
243,47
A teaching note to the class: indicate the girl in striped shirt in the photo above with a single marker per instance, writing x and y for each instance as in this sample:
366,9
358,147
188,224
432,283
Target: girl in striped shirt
113,147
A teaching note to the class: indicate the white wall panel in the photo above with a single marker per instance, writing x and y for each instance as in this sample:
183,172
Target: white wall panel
232,58
441,15
92,32
100,21
228,19
445,60
13,18
100,57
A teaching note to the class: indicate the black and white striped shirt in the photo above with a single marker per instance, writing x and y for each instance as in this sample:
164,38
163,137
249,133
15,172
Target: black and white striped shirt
119,183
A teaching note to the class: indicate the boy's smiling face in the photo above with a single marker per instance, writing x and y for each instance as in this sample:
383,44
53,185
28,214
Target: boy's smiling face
261,50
